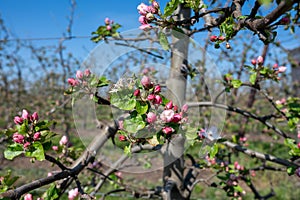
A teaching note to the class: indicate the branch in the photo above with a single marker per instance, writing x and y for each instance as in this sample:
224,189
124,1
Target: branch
240,111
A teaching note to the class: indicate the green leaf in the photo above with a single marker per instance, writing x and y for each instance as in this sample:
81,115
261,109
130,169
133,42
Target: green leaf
163,40
252,78
291,170
36,150
134,124
127,150
141,107
170,7
213,151
52,192
103,82
123,99
13,151
236,83
23,129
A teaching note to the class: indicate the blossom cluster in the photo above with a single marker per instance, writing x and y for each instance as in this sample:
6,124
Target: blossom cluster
147,14
108,23
27,120
80,78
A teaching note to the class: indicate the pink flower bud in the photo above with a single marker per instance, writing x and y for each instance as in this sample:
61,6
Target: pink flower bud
177,117
35,116
28,197
175,108
167,115
122,138
184,108
72,82
260,60
143,9
137,92
146,81
275,66
26,144
155,4
157,100
18,138
151,117
145,27
79,74
25,114
157,89
151,97
213,38
49,174
167,130
63,140
253,62
18,120
72,194
151,10
87,72
169,105
55,148
298,145
107,21
108,27
281,69
143,20
221,38
37,136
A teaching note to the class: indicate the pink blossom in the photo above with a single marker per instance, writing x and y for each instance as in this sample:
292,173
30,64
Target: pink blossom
72,82
25,114
155,4
145,27
28,197
213,38
122,138
281,69
167,115
275,66
143,20
121,124
184,108
79,74
167,130
283,100
107,20
35,116
118,174
55,148
169,105
151,10
221,38
151,117
87,72
26,144
278,102
175,108
177,117
72,194
151,97
37,136
18,120
137,92
145,81
157,89
108,27
63,140
253,62
49,174
143,9
157,100
18,138
260,60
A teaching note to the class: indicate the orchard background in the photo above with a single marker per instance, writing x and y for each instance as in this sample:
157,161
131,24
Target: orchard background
211,88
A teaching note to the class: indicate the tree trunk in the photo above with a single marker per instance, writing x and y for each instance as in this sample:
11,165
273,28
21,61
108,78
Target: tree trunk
176,84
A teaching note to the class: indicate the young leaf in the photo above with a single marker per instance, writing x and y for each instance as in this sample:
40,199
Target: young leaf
236,83
163,40
13,151
141,107
252,78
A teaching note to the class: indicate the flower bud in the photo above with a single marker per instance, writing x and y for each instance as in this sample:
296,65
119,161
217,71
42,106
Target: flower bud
184,108
149,17
28,197
167,115
145,27
253,62
157,99
18,120
143,20
155,4
213,38
177,117
285,20
72,82
167,130
55,148
275,66
157,89
150,97
146,81
137,92
122,138
87,72
169,105
25,114
35,116
79,74
221,38
260,60
26,144
63,140
37,136
18,138
72,194
108,28
151,117
107,21
142,8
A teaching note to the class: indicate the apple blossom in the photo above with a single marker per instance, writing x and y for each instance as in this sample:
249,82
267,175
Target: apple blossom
145,81
72,194
107,21
157,99
25,114
213,38
167,115
149,17
55,148
275,66
72,82
155,4
281,69
137,92
122,138
145,27
157,89
297,172
63,140
260,60
169,105
184,108
151,117
18,120
253,62
35,116
87,72
177,117
108,27
167,130
143,20
142,8
151,97
79,74
26,144
28,197
37,136
18,138
221,38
